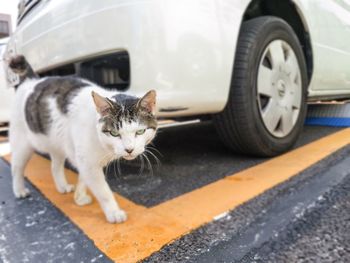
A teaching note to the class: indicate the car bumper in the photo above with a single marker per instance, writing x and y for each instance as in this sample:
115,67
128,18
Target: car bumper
183,49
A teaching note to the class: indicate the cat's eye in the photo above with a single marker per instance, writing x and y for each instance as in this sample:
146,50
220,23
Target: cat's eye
140,132
114,133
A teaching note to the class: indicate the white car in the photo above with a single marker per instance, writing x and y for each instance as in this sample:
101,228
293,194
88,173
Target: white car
6,92
250,64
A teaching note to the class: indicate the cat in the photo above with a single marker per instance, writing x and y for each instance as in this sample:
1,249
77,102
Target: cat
73,118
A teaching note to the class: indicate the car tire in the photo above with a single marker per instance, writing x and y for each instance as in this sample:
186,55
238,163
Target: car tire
265,86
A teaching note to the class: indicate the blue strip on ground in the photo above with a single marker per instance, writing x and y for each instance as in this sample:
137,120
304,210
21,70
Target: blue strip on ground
328,121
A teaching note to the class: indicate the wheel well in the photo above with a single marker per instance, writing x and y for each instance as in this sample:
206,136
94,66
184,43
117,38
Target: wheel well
286,10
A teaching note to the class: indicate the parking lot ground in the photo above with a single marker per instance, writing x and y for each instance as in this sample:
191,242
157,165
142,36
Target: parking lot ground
203,204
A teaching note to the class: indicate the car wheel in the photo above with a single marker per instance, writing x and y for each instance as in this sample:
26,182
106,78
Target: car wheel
266,107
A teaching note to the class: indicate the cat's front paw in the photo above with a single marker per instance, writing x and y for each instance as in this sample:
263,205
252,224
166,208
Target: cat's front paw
21,192
82,199
116,216
67,188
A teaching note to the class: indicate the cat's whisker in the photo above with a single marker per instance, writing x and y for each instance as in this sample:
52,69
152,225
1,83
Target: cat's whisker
118,167
154,149
106,159
149,149
109,163
154,156
115,172
107,167
142,164
149,164
151,143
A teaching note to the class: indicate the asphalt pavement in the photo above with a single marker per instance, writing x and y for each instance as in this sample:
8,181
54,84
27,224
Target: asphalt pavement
304,219
191,157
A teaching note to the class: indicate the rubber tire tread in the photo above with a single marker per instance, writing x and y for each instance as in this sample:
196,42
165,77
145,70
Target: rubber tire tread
237,125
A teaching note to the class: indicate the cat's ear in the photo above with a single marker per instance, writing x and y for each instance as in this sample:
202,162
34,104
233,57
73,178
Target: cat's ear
148,102
103,105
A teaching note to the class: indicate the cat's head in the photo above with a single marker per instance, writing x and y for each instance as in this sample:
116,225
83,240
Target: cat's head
126,123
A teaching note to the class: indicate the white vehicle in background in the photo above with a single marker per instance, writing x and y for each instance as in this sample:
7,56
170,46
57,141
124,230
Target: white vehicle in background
6,92
250,64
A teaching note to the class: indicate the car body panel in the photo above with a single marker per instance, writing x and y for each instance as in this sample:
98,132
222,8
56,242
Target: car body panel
183,49
187,59
329,26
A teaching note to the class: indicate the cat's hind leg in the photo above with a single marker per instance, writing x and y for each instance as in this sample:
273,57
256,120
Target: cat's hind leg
21,151
81,197
57,169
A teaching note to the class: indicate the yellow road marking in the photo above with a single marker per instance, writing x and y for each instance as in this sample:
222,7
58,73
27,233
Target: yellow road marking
148,229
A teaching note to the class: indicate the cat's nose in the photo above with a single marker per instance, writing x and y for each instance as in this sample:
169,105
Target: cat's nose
129,150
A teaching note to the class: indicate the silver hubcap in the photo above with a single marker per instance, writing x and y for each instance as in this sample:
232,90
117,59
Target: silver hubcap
279,88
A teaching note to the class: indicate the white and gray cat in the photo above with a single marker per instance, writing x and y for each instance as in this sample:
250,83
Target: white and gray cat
72,118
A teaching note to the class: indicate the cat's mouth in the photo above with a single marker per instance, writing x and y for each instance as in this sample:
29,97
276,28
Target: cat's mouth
129,157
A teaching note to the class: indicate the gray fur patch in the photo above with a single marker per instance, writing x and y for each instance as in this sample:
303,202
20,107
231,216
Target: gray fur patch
21,67
125,108
63,89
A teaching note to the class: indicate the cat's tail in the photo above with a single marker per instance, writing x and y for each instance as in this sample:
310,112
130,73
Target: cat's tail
19,65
